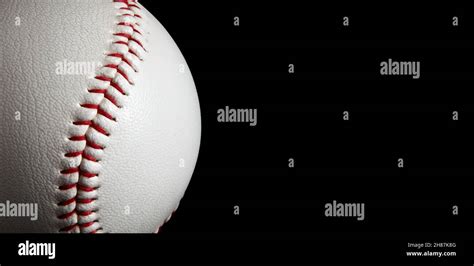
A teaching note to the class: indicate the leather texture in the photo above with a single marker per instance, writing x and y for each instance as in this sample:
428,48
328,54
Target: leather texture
152,147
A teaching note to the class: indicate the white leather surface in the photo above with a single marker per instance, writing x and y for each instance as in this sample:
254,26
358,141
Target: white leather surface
159,124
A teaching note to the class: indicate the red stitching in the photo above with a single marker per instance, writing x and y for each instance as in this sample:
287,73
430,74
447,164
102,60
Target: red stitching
67,215
112,100
128,3
74,154
70,171
106,96
103,91
123,59
90,123
119,71
88,175
67,202
87,224
77,138
82,123
117,87
89,157
103,113
112,83
90,106
86,201
85,188
135,54
130,38
99,129
121,42
67,187
127,24
94,145
103,78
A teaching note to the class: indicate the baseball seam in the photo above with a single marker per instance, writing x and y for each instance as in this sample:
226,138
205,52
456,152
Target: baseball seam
94,119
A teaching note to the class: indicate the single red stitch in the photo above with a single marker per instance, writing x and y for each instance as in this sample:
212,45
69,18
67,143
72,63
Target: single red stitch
112,100
85,201
84,188
85,213
94,145
111,66
129,7
105,114
103,78
117,87
135,54
74,154
77,138
67,202
70,171
82,123
121,42
90,106
84,225
103,91
89,157
99,129
138,42
88,175
67,187
125,35
133,5
116,55
124,75
67,215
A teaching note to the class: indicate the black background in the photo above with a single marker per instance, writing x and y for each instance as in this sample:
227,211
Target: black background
300,116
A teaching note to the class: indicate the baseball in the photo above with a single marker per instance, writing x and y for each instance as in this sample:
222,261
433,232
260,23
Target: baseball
100,121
